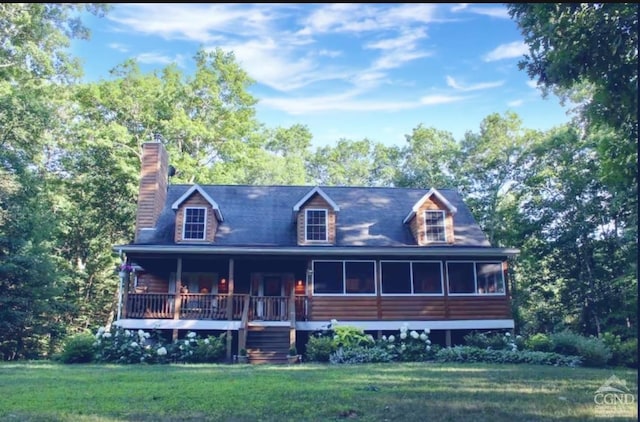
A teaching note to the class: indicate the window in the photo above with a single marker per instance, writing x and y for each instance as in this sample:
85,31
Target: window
344,277
475,278
316,225
434,229
194,223
427,277
411,277
490,277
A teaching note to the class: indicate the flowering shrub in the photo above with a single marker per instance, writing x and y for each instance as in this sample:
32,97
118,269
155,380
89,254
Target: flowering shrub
409,345
346,344
119,345
201,350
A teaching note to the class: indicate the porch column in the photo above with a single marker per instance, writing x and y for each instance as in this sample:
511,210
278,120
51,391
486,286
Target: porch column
177,301
292,313
230,311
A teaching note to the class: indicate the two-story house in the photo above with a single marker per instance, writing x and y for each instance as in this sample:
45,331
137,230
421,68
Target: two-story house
271,264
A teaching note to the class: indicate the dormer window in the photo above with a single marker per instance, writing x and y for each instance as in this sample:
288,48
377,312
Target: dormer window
434,226
195,220
316,225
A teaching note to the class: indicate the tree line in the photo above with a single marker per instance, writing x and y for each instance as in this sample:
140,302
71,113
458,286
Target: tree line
70,158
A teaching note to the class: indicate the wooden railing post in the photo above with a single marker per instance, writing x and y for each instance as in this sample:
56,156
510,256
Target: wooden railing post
292,315
178,299
230,309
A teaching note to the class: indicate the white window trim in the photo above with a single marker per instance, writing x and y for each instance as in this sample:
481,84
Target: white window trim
475,280
444,226
344,278
411,262
184,223
326,225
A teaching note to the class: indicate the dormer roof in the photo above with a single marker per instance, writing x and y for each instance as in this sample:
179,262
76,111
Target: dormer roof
432,192
310,194
201,191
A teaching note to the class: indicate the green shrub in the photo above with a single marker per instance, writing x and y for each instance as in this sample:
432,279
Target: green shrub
468,354
594,351
623,353
539,342
566,342
490,340
360,354
347,337
319,348
202,350
78,348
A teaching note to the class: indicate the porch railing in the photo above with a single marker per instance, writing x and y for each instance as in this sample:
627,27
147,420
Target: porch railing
193,306
269,308
212,306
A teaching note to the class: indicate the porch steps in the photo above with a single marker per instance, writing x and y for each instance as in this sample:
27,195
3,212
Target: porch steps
267,344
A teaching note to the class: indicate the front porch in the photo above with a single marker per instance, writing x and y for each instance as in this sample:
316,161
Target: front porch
212,307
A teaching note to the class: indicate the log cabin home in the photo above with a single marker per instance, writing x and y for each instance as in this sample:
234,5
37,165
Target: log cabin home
269,265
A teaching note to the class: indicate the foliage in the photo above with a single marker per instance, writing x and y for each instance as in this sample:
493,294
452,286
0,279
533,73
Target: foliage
346,336
118,345
623,352
78,348
539,342
592,350
319,348
470,354
201,350
362,354
491,340
588,52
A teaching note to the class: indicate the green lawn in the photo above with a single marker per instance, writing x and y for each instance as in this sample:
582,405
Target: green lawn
41,391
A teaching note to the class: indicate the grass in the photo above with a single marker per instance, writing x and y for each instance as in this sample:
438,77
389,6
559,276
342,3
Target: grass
45,391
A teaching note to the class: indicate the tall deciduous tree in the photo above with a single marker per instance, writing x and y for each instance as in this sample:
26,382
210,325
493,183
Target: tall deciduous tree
35,72
353,163
430,159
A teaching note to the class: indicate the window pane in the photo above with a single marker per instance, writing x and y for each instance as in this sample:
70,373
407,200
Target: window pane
316,225
461,278
327,277
434,226
360,277
490,278
194,223
396,277
427,277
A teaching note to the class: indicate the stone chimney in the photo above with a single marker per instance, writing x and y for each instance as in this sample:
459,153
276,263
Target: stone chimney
153,186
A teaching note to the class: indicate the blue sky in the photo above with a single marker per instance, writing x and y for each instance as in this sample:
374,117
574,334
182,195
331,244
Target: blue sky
349,71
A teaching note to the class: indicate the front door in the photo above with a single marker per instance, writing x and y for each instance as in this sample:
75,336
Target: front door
270,301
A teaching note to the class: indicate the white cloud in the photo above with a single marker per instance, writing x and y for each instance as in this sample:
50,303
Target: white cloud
157,58
349,101
515,103
532,84
118,47
479,86
329,53
494,12
354,17
398,50
507,51
204,23
440,99
459,7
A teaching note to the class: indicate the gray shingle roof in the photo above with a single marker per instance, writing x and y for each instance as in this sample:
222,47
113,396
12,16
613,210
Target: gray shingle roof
263,216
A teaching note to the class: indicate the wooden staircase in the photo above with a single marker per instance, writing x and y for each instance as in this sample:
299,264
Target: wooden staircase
267,344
